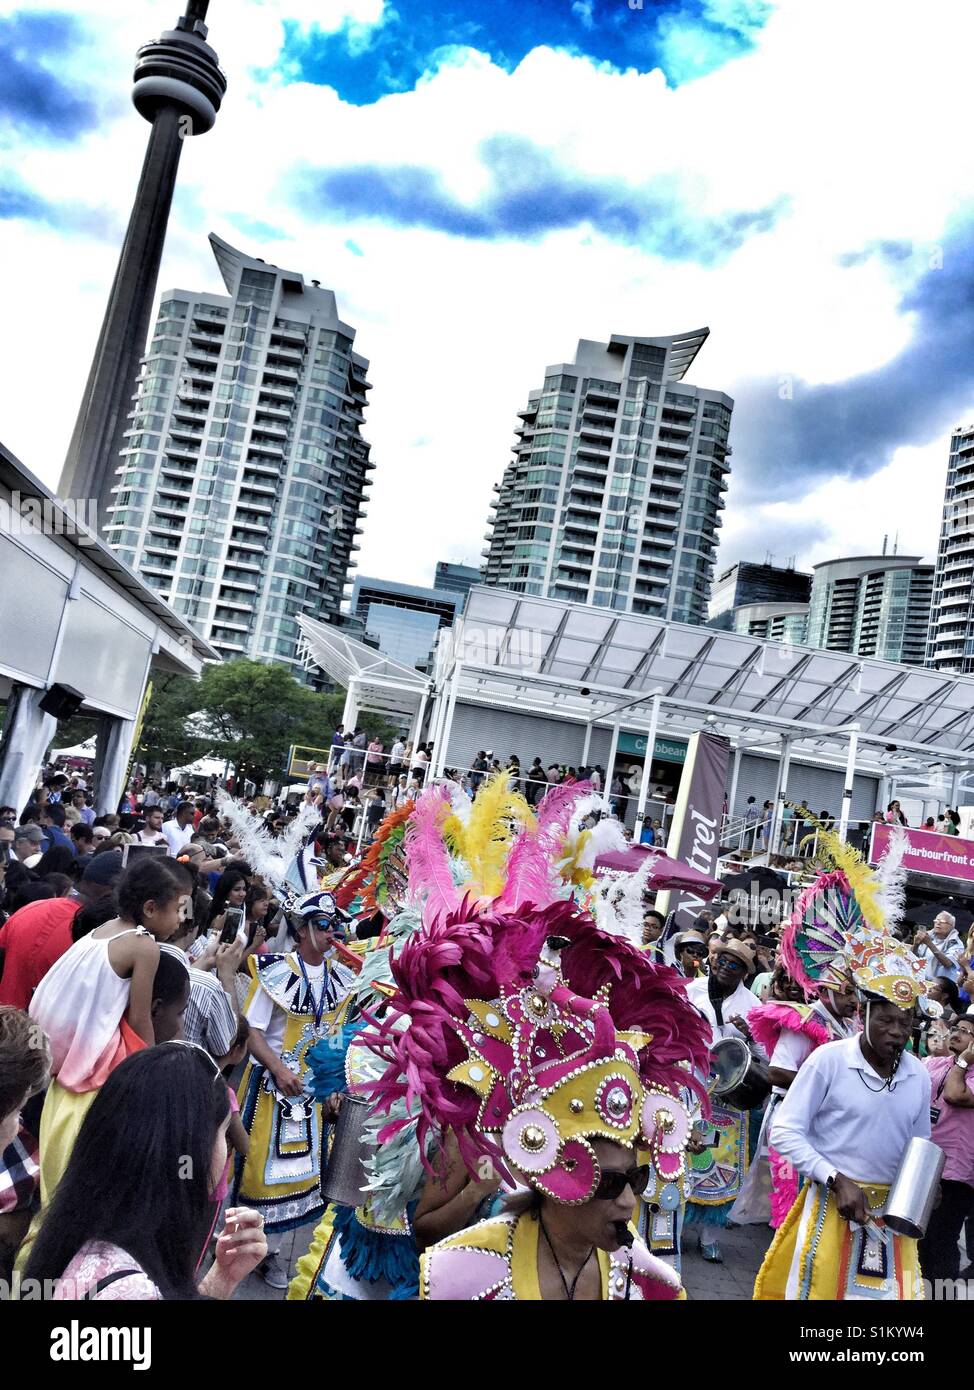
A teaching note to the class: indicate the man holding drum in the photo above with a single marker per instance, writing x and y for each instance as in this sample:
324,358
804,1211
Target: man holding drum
726,1002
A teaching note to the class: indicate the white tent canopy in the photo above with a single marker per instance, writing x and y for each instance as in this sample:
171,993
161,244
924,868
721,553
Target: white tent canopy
87,749
203,767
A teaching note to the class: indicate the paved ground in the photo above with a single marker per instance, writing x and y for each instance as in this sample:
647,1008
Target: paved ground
743,1249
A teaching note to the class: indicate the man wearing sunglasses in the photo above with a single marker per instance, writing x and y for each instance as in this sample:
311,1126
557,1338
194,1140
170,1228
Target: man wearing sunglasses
952,1128
690,949
725,1002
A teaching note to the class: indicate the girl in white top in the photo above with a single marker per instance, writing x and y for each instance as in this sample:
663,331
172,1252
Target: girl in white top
95,1003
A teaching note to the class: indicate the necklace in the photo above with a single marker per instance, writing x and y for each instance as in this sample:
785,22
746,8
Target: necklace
569,1288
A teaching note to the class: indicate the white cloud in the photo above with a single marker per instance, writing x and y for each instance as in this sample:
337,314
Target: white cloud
844,112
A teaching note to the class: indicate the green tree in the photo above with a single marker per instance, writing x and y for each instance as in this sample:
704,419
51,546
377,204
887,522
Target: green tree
243,712
168,738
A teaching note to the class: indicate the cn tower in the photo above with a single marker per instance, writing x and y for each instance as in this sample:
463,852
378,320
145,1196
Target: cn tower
178,89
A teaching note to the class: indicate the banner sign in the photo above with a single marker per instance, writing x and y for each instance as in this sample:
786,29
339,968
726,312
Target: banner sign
944,856
666,750
695,831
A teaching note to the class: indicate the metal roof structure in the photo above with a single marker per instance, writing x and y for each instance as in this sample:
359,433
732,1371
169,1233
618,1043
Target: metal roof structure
68,525
589,665
380,684
683,348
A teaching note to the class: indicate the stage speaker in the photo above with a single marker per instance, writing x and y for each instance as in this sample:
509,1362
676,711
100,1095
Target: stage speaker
62,701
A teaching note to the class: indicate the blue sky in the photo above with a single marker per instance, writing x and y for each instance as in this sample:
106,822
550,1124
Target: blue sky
483,185
686,38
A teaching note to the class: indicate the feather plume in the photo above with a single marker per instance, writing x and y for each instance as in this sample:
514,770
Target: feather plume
892,879
531,877
368,875
486,838
604,838
430,874
617,903
270,858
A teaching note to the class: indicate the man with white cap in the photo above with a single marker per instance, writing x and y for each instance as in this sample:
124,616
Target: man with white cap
725,1001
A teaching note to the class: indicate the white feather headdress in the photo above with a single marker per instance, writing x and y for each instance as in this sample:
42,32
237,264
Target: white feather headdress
270,858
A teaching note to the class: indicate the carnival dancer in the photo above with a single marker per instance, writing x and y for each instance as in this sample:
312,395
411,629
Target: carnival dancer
719,1170
295,1000
553,1050
853,1107
369,1253
789,1031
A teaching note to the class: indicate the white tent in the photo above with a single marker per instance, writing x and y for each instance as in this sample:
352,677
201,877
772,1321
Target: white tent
203,767
88,749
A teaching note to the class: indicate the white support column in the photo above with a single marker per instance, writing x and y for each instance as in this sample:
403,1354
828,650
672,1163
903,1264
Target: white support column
436,725
587,744
735,774
955,781
647,768
416,728
446,724
610,761
350,712
781,791
850,772
26,734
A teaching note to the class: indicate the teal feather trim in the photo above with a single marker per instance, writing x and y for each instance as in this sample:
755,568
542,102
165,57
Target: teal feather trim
370,1255
326,1061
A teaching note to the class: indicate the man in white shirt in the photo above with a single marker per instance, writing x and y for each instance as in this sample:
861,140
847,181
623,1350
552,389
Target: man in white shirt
179,831
844,1125
941,949
151,832
725,1001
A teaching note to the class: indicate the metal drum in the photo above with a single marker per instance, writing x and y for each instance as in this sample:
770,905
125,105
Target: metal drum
915,1187
345,1174
738,1077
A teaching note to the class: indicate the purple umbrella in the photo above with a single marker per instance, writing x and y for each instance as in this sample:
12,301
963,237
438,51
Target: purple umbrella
667,873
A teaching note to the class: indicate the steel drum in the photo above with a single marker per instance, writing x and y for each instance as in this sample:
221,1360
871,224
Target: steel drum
737,1077
345,1176
914,1190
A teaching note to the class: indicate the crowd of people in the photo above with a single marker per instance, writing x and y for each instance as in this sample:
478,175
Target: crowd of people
208,981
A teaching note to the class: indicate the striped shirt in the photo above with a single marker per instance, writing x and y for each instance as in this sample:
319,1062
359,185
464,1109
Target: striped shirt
211,1015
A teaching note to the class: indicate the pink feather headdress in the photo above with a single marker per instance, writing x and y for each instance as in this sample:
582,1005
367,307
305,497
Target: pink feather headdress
528,1063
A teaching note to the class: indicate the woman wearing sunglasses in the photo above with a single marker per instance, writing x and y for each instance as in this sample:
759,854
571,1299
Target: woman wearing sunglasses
560,1076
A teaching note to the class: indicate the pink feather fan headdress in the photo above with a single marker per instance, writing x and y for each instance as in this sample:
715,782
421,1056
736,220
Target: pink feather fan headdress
528,1031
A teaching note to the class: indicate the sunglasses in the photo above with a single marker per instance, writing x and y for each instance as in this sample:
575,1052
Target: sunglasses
700,951
613,1184
728,962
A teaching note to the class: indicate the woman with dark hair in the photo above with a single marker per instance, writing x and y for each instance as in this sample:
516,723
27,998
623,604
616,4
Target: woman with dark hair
230,891
132,1215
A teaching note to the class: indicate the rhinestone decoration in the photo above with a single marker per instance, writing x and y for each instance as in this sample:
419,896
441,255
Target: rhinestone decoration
617,1103
476,1073
614,1101
530,1140
576,1106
